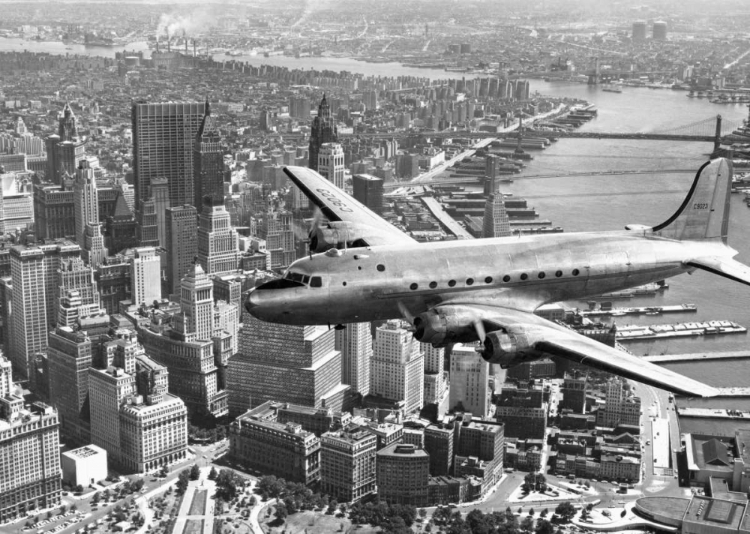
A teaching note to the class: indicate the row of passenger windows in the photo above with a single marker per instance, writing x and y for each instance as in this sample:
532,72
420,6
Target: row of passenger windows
488,280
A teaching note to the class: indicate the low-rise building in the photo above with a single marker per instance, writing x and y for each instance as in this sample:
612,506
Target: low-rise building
284,450
84,466
403,473
347,464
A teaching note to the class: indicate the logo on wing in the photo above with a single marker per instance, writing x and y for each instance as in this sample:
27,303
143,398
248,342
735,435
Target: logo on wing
334,200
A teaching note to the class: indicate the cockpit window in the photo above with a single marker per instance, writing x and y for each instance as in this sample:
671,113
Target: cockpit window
316,281
306,279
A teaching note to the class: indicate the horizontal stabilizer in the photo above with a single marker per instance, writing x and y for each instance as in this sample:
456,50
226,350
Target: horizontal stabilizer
726,267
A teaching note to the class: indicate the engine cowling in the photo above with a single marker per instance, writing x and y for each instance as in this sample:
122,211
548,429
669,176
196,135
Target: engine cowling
336,234
445,325
510,347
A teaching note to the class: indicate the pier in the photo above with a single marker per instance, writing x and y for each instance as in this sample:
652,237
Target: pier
647,310
674,358
446,221
663,331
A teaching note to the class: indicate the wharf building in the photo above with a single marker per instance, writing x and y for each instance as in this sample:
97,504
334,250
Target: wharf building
718,458
30,451
285,363
469,381
164,136
403,473
284,450
397,366
196,346
133,418
621,407
323,130
347,464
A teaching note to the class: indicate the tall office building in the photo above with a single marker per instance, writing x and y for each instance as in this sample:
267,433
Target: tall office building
347,463
73,275
147,224
85,199
660,31
64,150
197,345
133,418
145,276
277,229
355,343
331,163
70,356
94,252
480,451
285,363
435,378
218,243
323,130
397,366
181,245
496,222
369,191
621,408
30,452
439,443
208,163
469,376
163,144
34,303
639,31
574,395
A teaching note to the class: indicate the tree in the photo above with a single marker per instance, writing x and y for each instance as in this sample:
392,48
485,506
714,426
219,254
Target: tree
332,505
212,474
74,508
253,501
544,513
182,480
520,510
530,480
566,511
623,513
589,507
422,513
527,525
544,527
584,515
164,471
281,512
195,472
531,512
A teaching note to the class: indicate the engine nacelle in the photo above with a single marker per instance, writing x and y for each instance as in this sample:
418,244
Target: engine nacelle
445,325
510,348
336,234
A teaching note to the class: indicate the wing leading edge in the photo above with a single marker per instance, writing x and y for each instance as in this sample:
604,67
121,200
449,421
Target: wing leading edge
337,205
557,340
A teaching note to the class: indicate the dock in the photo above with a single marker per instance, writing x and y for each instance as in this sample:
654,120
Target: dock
646,310
713,413
672,358
663,331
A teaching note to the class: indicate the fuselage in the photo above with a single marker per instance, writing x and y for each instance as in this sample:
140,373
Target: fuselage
376,283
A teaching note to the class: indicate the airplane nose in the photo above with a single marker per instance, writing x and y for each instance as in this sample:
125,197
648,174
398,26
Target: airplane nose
252,301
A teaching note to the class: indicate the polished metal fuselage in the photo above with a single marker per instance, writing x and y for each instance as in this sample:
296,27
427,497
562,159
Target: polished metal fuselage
375,283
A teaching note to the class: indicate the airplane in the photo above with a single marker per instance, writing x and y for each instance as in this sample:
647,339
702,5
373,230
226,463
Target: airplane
362,269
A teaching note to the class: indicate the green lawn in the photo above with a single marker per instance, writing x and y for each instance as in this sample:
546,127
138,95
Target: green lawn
198,506
311,523
193,526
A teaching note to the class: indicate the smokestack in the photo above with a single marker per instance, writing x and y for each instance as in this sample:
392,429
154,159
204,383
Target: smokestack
157,43
186,47
169,45
194,54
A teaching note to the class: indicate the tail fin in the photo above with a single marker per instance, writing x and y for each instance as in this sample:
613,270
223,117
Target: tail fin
704,214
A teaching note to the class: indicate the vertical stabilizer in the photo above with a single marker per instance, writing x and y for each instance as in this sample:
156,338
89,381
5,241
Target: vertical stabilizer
704,214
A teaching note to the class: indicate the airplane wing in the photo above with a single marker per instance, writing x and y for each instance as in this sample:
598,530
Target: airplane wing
337,205
551,338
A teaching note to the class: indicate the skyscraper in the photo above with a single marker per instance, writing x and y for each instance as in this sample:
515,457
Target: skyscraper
347,463
218,243
355,343
163,144
296,364
208,163
369,191
85,199
331,163
469,376
145,276
64,150
323,130
181,245
397,366
496,222
277,228
34,303
30,452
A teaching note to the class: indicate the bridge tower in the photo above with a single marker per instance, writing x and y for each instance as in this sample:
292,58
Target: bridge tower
594,76
717,135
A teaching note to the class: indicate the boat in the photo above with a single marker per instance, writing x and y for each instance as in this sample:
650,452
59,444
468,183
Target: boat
611,89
